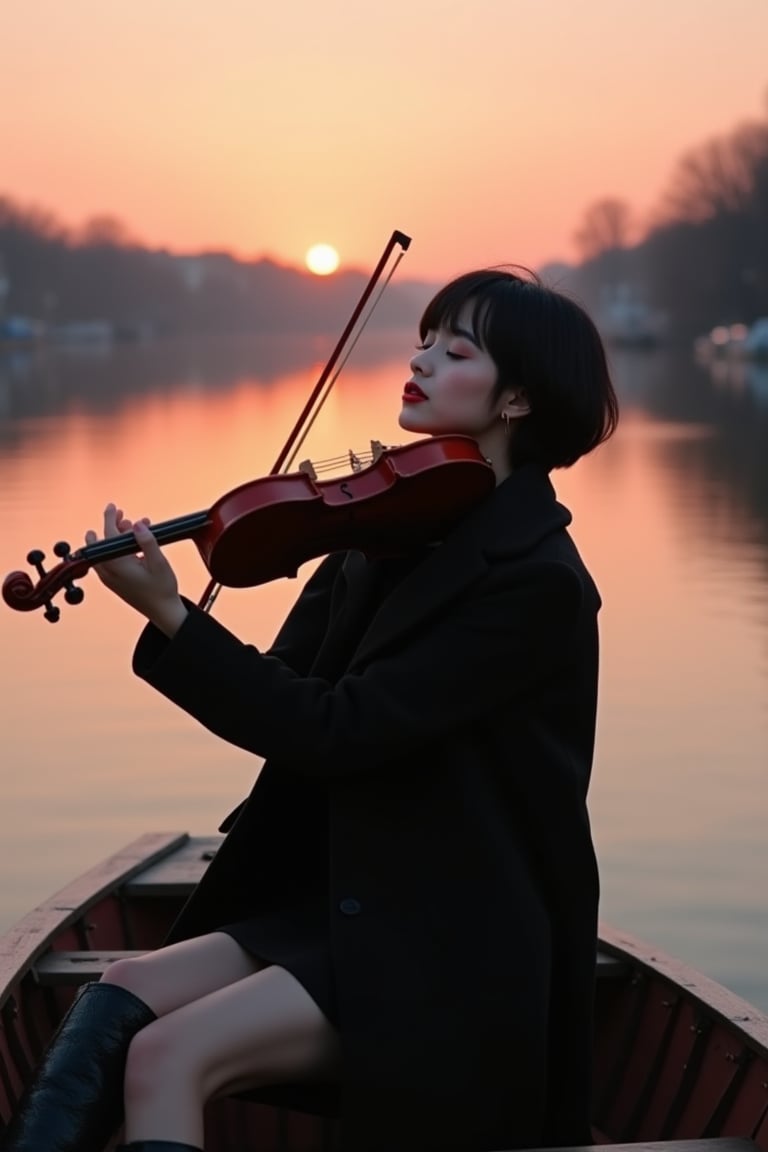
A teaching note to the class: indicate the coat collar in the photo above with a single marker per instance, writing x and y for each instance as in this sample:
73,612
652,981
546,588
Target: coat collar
509,522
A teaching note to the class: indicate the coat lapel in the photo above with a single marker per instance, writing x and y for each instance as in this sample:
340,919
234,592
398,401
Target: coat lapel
509,522
350,612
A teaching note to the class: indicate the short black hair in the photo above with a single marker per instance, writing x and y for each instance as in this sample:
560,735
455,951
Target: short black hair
544,343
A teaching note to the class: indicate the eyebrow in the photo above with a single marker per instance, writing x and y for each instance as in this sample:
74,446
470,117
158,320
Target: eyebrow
467,335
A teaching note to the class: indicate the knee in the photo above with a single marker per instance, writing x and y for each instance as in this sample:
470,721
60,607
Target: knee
127,974
155,1060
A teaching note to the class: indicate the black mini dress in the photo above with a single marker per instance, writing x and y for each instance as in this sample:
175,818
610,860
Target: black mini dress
296,937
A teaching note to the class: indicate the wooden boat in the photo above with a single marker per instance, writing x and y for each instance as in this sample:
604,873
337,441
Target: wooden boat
678,1059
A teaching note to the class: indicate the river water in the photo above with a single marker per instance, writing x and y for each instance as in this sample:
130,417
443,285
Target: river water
671,516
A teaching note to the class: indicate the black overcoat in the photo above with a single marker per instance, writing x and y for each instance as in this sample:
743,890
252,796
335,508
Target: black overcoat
453,731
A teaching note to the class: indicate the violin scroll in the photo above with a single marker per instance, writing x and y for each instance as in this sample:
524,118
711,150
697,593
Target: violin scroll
20,593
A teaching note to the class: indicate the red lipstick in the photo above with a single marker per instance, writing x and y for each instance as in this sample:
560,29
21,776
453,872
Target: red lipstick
412,394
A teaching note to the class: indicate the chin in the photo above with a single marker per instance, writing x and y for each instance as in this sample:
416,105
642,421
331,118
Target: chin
412,420
410,425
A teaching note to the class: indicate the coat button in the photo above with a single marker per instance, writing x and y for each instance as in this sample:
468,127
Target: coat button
349,906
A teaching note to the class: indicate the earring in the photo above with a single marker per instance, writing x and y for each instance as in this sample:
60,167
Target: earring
506,417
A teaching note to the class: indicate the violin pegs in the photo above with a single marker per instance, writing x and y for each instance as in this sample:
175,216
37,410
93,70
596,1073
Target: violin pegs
35,558
72,594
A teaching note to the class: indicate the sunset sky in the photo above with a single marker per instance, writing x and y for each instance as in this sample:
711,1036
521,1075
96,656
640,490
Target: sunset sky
483,128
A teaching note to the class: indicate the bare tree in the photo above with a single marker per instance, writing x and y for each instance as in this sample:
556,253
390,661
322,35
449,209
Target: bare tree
718,177
105,231
29,221
606,226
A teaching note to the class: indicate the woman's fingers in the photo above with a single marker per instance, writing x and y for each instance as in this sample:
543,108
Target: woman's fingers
149,546
146,582
114,523
110,520
117,523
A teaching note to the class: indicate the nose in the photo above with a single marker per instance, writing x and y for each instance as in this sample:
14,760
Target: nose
420,362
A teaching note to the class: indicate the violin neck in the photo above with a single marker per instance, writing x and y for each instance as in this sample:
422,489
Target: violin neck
181,528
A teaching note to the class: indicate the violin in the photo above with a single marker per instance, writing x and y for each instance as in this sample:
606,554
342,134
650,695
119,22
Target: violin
267,528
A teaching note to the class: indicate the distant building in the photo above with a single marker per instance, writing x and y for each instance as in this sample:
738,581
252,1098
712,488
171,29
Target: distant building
192,271
625,319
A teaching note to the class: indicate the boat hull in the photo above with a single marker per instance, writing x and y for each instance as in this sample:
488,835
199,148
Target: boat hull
677,1057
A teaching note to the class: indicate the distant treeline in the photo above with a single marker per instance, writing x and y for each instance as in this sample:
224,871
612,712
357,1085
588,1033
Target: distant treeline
702,260
703,256
57,277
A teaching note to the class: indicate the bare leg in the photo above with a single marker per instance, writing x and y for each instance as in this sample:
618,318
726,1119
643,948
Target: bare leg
224,1020
173,976
261,1029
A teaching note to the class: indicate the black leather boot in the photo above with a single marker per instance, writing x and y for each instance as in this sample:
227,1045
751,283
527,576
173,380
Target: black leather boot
74,1101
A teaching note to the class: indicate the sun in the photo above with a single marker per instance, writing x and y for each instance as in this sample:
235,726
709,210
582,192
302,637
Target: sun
322,259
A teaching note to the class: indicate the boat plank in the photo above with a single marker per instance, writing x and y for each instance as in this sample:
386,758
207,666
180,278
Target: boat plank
71,968
62,967
31,936
177,874
715,1144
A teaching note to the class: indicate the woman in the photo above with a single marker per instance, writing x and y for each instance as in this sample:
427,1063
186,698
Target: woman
404,909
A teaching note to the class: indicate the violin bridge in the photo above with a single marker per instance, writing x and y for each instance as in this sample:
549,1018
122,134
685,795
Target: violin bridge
355,463
308,468
377,449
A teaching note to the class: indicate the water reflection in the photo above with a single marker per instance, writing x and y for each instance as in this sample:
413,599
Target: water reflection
48,380
729,402
672,516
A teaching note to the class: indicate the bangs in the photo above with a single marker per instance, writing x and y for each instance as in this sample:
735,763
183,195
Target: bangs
445,309
482,292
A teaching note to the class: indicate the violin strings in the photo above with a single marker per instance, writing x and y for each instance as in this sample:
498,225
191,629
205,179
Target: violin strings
350,347
353,460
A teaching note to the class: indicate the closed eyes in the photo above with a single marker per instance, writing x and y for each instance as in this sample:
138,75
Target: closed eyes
450,355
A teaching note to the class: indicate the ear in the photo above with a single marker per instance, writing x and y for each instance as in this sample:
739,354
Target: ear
515,405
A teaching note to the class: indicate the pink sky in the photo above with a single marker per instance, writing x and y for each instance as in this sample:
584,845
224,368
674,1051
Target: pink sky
483,129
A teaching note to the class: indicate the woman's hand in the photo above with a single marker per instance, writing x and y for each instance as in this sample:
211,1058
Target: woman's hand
147,582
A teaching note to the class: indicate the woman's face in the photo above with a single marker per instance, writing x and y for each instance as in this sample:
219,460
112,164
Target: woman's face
450,388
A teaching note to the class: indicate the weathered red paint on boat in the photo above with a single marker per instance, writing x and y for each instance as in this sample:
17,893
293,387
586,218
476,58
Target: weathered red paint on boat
677,1057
